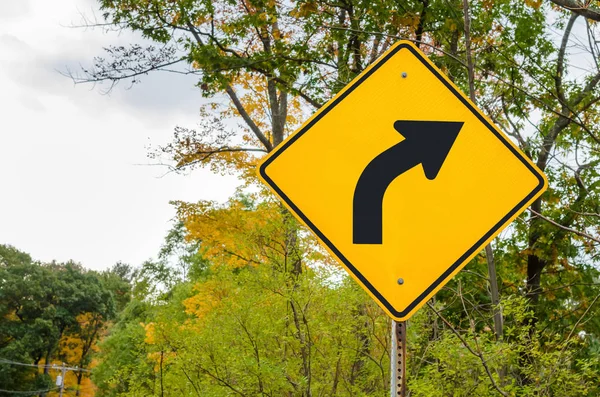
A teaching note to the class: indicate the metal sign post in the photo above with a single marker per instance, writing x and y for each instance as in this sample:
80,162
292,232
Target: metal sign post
398,359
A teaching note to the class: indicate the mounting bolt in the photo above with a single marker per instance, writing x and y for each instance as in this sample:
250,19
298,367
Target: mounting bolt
400,281
404,75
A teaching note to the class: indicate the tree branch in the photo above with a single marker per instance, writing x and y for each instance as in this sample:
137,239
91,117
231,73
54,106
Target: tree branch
568,229
470,65
470,349
242,111
236,101
560,63
582,316
580,9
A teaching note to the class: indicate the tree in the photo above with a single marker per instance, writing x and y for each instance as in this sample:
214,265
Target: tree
276,61
22,327
42,306
123,362
246,327
118,281
182,254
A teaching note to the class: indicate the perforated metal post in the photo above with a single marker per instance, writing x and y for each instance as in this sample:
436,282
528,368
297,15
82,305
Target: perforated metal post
398,359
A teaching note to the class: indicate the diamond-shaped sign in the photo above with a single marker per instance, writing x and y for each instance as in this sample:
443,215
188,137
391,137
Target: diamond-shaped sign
402,178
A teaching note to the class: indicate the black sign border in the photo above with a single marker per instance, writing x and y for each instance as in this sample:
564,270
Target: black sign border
477,246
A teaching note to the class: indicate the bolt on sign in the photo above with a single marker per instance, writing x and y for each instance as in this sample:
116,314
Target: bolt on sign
402,178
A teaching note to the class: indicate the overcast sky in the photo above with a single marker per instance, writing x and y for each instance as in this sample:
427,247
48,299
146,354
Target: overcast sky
71,183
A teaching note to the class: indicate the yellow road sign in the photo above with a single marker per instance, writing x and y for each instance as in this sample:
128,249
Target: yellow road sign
402,178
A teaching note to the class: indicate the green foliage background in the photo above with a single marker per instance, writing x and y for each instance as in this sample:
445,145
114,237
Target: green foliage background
243,301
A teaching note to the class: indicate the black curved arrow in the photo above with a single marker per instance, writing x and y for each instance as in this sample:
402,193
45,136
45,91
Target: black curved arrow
426,143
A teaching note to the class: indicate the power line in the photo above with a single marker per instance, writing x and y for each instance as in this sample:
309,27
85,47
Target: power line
27,391
10,362
5,361
61,377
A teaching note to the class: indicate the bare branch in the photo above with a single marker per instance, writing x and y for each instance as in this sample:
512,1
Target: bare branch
128,63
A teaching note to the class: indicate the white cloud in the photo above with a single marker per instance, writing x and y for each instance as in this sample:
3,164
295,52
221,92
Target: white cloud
10,9
71,188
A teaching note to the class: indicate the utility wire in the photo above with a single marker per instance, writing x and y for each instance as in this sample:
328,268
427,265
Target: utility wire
5,361
61,368
10,362
27,391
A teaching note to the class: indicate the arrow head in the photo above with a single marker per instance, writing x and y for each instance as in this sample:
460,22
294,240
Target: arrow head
431,141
